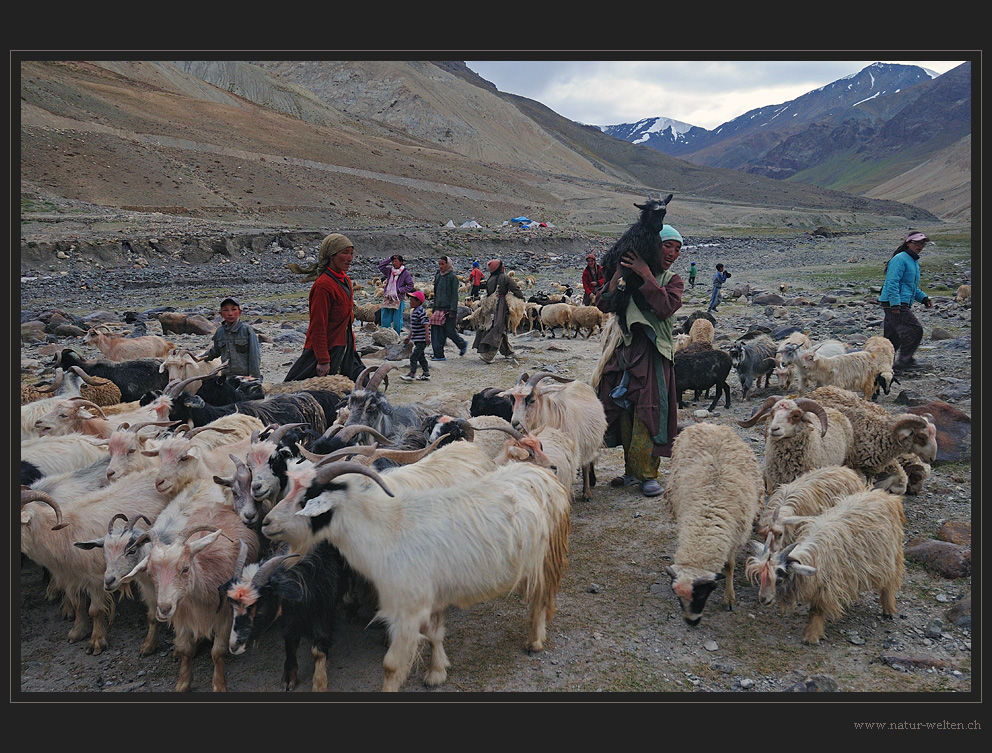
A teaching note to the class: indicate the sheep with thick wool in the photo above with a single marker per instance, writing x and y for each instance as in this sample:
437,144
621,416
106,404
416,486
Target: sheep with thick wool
809,494
587,319
884,353
880,436
800,435
854,546
425,550
713,494
556,315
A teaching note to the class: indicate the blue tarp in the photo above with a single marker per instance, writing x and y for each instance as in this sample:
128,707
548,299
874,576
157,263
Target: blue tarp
520,219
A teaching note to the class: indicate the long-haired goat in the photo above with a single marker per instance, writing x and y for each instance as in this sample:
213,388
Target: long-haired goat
642,237
573,408
487,536
854,546
714,494
188,574
368,406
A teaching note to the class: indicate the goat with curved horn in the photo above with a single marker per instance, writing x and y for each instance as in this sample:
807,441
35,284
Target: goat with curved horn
340,467
36,495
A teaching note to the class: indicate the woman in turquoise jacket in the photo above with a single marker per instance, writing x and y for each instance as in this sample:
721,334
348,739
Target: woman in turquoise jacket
900,290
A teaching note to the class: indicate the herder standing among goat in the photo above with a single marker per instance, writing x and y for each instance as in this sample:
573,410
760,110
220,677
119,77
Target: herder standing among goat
492,335
900,290
399,284
637,386
445,314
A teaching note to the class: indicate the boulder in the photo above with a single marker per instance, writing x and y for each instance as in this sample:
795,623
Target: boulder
953,430
940,557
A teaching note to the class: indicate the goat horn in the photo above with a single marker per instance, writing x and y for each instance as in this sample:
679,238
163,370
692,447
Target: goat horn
406,457
118,516
521,379
532,382
269,567
197,429
376,378
276,436
95,381
506,429
36,495
56,382
765,406
131,522
812,406
242,557
89,404
138,427
347,433
339,467
364,373
172,389
341,452
185,535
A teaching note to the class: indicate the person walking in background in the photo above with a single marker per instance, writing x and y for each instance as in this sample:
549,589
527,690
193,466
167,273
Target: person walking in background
475,278
637,387
420,336
399,284
491,336
899,291
692,275
235,342
718,279
445,313
329,347
592,280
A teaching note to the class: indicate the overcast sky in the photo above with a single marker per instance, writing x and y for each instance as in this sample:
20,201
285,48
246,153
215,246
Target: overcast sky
699,92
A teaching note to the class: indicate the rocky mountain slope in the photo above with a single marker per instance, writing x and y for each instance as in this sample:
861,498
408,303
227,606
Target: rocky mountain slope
375,144
866,134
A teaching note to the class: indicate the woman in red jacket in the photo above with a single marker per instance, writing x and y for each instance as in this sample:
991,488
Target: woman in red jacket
329,347
592,280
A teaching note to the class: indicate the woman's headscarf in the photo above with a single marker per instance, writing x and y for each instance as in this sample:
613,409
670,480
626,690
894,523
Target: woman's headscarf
331,245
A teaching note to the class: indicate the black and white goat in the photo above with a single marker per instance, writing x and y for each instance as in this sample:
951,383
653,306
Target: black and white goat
367,406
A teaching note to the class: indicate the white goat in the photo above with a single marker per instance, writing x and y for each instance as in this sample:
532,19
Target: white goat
187,575
826,348
800,435
425,550
573,408
714,494
809,494
855,371
119,348
854,546
181,364
48,532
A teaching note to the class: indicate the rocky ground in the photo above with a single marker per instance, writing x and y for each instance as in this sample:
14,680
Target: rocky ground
618,628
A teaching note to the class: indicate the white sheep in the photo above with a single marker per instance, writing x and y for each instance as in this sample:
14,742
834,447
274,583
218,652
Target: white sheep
425,550
809,494
555,315
800,435
713,494
587,318
855,546
573,408
880,436
882,350
118,348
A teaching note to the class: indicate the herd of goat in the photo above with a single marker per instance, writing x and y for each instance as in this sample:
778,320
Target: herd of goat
153,475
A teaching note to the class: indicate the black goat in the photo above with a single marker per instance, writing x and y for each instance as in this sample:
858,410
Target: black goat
224,389
753,358
488,402
304,600
701,370
134,378
642,237
295,407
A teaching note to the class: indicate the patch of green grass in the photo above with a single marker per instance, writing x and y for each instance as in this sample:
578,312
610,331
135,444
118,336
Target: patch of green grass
32,205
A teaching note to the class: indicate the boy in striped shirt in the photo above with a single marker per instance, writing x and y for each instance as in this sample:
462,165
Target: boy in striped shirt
420,336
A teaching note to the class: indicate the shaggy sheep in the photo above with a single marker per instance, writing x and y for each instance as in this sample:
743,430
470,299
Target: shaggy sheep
714,494
963,294
879,436
587,318
884,353
556,315
854,546
800,435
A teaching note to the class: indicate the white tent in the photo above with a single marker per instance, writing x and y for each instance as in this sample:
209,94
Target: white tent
470,224
450,224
